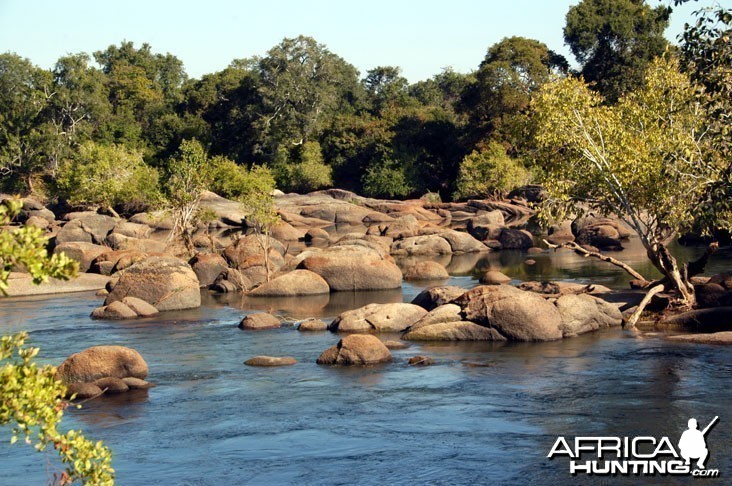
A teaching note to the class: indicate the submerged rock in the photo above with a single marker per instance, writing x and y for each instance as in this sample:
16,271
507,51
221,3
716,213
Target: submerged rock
267,361
724,337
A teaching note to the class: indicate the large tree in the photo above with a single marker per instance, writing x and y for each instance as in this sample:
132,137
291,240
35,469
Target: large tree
511,71
646,160
302,85
706,54
25,91
614,40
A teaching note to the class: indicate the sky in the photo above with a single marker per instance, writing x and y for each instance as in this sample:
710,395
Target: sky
421,37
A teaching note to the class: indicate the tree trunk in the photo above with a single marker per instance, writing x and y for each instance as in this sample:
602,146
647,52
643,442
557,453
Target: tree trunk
677,280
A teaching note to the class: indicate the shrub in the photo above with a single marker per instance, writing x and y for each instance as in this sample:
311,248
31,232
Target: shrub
489,173
233,181
308,173
386,180
107,176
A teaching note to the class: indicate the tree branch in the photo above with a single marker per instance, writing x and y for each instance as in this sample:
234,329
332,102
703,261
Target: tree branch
630,323
587,253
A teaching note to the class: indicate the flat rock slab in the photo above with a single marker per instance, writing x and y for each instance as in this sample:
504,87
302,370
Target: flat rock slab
21,284
710,338
268,361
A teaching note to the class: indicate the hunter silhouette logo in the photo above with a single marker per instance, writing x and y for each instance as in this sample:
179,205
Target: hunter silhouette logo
693,444
641,455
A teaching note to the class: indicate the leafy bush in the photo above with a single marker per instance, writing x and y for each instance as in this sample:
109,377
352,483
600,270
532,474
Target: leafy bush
489,173
107,176
233,181
308,173
386,180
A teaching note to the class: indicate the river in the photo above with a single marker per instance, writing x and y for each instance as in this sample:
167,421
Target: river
483,414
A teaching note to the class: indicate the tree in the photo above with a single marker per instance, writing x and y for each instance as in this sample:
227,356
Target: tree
301,85
386,88
614,40
706,55
31,400
489,173
646,160
188,175
25,91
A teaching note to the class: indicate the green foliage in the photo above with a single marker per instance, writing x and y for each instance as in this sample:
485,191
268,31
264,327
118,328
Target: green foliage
26,246
489,173
30,397
706,55
386,180
188,175
107,176
302,169
614,40
645,159
24,95
31,402
233,181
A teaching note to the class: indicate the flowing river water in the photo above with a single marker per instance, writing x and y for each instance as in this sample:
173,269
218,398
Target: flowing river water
483,414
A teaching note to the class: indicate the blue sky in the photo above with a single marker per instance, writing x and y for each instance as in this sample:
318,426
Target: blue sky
421,37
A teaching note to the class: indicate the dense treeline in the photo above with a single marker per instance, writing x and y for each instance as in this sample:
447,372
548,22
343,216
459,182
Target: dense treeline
304,113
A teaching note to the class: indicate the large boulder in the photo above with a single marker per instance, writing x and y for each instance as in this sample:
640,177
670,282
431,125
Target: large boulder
132,230
208,266
228,212
82,252
165,282
356,349
421,245
583,313
92,228
515,314
297,282
101,362
716,319
515,239
602,233
437,296
247,255
426,270
445,323
453,331
494,277
119,241
394,317
462,242
353,267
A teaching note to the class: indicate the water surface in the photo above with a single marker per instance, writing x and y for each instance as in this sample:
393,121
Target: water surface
484,414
